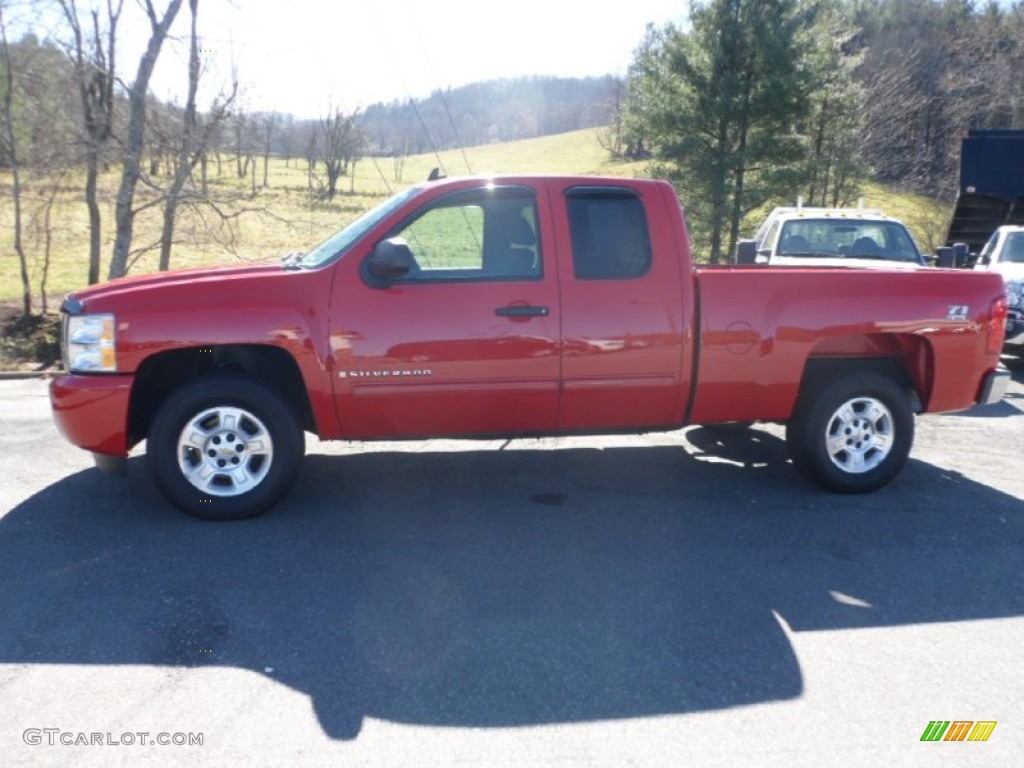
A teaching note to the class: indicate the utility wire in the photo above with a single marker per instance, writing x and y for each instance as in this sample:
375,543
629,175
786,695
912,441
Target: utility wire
373,159
426,132
440,91
405,86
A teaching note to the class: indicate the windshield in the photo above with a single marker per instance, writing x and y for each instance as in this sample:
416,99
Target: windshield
337,244
1013,248
845,238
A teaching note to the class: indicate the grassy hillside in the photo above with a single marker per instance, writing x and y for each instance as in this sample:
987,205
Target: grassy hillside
282,217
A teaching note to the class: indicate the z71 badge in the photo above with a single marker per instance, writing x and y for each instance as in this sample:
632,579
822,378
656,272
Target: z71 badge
958,312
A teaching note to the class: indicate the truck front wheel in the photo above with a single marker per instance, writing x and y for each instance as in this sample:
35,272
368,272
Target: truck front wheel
224,447
851,434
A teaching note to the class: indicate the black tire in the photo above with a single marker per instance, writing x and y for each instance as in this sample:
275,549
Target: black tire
224,447
851,434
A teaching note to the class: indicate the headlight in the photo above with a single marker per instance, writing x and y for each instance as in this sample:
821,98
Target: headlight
1014,293
89,343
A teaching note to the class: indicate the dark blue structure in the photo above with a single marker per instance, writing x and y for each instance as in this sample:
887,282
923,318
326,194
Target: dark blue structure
991,186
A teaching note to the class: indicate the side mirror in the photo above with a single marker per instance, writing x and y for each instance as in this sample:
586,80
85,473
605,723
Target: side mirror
746,252
961,254
945,257
391,259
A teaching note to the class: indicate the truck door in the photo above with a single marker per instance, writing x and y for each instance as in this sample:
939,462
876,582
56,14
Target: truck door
622,314
466,340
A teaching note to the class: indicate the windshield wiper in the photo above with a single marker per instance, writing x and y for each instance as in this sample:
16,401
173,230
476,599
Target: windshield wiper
292,260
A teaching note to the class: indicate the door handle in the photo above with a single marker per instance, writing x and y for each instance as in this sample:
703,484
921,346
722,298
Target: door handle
521,311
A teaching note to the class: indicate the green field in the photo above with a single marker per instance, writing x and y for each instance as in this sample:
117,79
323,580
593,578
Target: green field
283,216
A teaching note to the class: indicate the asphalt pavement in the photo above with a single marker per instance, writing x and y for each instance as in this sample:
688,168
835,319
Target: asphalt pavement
660,600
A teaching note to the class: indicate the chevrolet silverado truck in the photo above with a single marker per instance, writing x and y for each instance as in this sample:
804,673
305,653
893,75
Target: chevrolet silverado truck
513,306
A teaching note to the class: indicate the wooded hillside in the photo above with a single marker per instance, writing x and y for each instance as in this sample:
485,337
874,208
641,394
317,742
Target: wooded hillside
749,102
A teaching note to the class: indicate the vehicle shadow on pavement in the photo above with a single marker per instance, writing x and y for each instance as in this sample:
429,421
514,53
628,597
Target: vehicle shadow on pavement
503,588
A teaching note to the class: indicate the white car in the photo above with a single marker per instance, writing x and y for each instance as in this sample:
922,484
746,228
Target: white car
850,237
1004,253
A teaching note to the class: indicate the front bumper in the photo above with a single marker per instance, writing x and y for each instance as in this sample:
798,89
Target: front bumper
91,411
1014,329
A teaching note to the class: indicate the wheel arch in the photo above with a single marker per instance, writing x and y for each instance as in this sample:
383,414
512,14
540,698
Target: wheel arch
161,374
904,358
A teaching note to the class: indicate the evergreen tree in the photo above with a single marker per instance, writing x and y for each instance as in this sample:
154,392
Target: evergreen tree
721,103
833,168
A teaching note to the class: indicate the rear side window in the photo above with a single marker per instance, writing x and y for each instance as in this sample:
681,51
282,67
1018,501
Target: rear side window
610,239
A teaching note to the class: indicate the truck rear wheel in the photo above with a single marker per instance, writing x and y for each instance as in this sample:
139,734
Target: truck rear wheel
224,447
851,434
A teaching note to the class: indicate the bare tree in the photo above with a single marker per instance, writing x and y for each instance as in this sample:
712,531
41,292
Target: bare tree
340,146
240,133
252,176
287,139
94,61
398,164
131,164
194,141
268,126
984,76
10,148
311,148
43,231
610,138
162,123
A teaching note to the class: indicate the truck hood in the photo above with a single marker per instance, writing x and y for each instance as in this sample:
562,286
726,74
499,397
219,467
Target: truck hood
1010,270
807,261
163,284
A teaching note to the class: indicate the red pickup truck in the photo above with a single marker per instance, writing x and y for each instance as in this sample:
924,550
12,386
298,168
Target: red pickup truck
514,306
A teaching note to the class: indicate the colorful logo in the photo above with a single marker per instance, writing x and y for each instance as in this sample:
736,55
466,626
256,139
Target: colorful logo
958,730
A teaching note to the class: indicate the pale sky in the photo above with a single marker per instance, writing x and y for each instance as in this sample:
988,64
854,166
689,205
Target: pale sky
303,56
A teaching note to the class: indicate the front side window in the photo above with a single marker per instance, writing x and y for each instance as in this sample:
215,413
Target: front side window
476,235
610,239
1013,250
985,256
770,237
